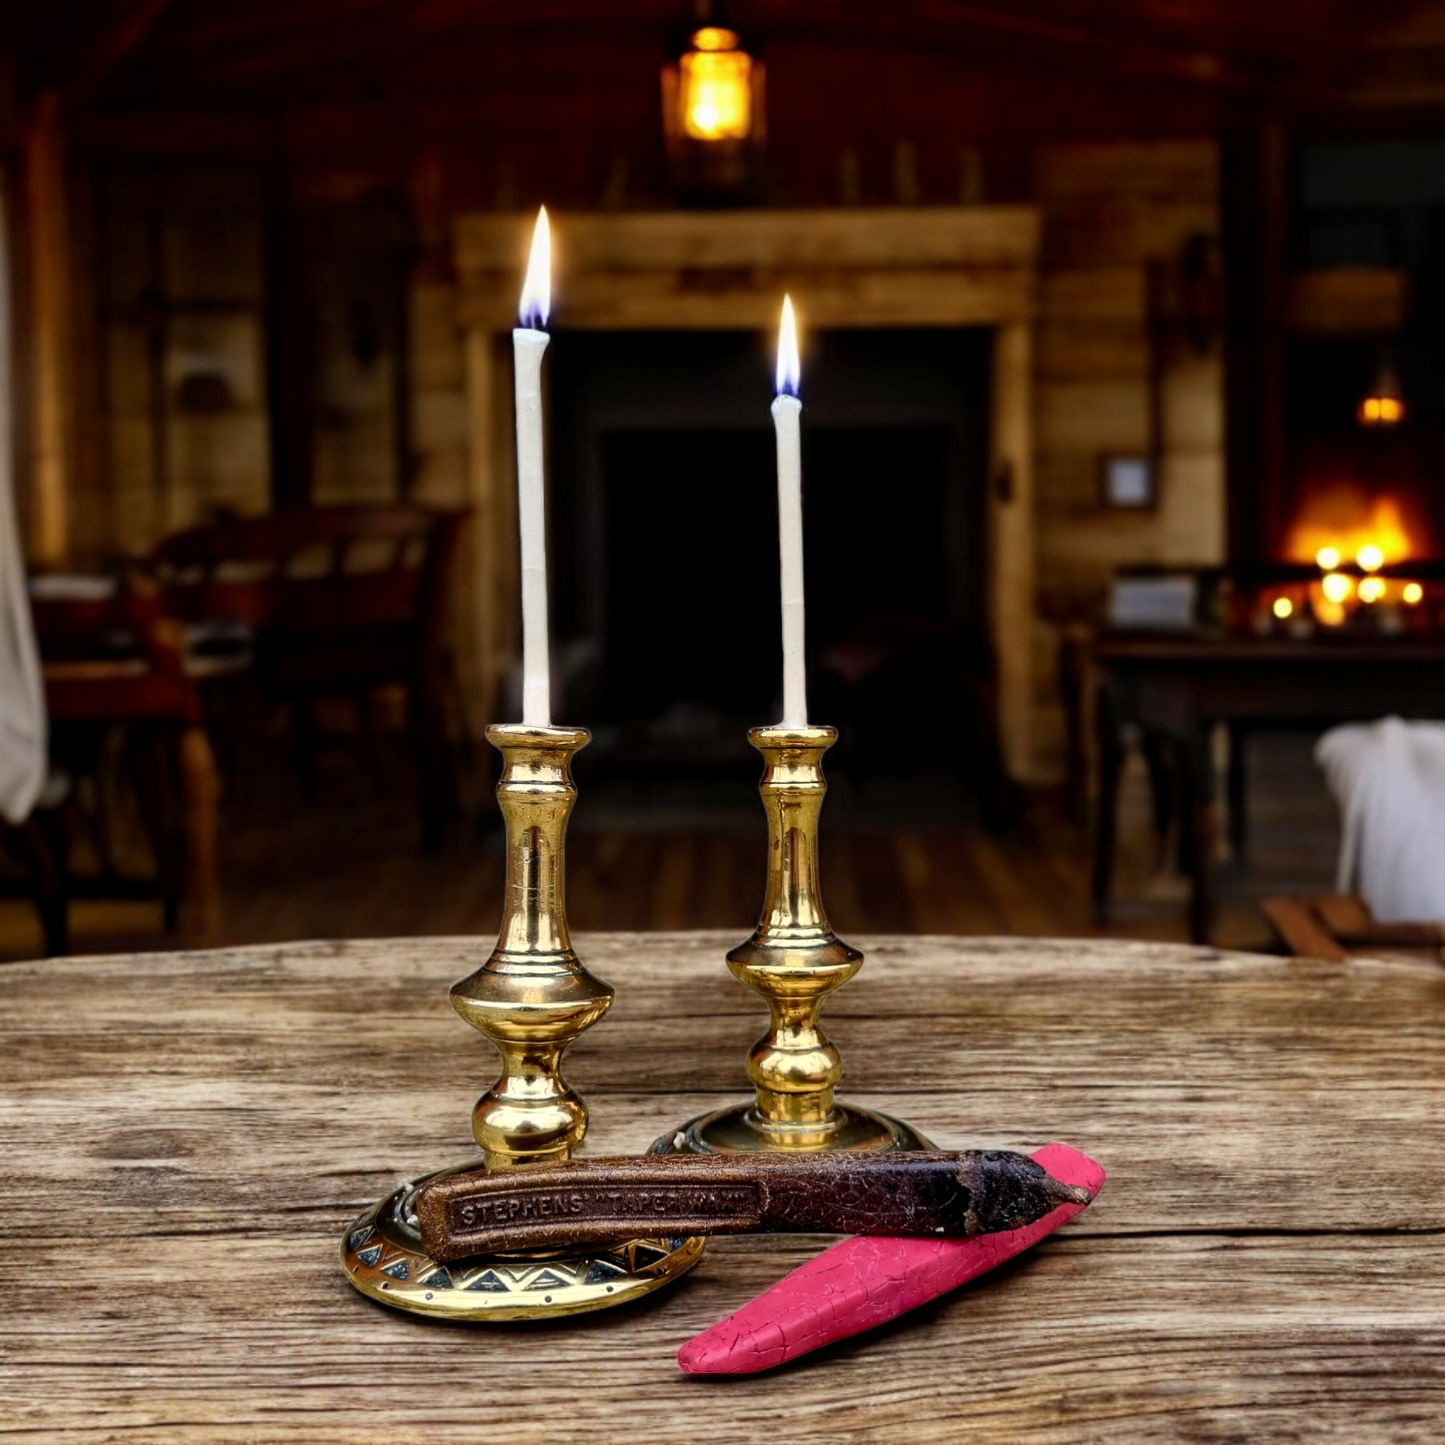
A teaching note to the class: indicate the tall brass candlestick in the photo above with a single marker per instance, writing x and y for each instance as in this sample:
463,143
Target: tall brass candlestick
532,997
794,960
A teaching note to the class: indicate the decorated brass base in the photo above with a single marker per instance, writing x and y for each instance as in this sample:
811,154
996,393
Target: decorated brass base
383,1257
532,997
794,960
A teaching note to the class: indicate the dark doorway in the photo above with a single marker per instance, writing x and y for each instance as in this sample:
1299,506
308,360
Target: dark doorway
665,533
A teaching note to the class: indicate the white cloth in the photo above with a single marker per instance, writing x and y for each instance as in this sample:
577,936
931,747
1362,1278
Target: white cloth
1389,780
22,695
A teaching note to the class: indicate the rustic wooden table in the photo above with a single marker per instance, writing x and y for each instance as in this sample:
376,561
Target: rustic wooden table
187,1135
1178,687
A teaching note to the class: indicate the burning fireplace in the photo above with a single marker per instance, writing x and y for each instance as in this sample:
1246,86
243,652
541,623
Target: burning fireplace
1361,511
1344,520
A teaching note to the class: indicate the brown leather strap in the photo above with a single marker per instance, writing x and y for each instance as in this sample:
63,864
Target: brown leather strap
601,1200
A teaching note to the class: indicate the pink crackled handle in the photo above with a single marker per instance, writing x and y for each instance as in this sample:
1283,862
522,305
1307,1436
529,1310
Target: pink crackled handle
863,1281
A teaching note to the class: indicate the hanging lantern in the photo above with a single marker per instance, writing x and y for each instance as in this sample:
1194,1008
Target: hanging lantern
715,86
712,103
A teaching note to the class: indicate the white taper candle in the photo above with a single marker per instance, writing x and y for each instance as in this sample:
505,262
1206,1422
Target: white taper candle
787,410
529,342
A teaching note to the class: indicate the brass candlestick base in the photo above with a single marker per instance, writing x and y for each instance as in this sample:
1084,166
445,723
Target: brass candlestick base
532,997
794,960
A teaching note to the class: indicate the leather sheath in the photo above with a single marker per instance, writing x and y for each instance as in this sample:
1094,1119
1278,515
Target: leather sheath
601,1201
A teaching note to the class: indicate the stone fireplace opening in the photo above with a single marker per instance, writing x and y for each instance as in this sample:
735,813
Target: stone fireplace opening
664,322
665,529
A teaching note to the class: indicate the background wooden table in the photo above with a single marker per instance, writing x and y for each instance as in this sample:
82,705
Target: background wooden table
187,1135
1178,687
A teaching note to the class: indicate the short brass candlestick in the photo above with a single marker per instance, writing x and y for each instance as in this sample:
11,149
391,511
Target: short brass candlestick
794,960
532,997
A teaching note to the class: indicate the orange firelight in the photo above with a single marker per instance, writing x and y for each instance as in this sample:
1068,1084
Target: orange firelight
1381,411
1343,519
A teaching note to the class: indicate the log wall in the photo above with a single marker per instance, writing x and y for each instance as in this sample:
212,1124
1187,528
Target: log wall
1109,210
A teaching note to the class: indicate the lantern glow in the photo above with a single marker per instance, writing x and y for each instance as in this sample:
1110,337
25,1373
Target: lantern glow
716,83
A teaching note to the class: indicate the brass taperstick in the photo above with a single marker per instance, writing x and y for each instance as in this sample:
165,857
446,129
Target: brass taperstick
794,960
531,997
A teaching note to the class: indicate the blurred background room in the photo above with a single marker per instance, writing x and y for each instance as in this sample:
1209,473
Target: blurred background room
1123,377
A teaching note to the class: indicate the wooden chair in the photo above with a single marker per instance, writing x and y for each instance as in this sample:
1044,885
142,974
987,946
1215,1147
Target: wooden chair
345,600
113,664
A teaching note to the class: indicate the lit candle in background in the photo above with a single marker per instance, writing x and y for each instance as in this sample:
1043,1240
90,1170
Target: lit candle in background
786,411
529,341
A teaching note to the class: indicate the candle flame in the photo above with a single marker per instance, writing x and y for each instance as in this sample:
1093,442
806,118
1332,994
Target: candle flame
536,302
789,368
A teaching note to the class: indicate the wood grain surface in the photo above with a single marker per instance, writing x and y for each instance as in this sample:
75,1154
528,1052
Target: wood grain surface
187,1135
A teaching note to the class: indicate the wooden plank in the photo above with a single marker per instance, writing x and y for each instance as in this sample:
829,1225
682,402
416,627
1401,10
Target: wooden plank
1264,1263
1094,293
1100,172
1348,301
1300,929
50,320
916,237
1105,233
1092,349
747,297
1091,417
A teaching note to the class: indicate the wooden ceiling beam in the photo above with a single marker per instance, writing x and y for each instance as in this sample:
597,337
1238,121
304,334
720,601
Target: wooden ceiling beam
269,53
111,46
327,59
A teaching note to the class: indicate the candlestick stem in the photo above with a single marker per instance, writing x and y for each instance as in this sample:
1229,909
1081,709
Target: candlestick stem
794,960
533,996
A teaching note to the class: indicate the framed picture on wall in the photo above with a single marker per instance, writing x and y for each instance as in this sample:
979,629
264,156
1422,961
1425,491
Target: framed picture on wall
1126,483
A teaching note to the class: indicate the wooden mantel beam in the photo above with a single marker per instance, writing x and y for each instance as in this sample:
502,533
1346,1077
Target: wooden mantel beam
920,266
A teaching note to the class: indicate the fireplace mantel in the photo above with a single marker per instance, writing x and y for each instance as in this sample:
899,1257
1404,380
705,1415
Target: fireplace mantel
955,266
689,270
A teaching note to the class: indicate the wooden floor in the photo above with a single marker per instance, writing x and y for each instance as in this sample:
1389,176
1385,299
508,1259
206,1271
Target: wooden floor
349,866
